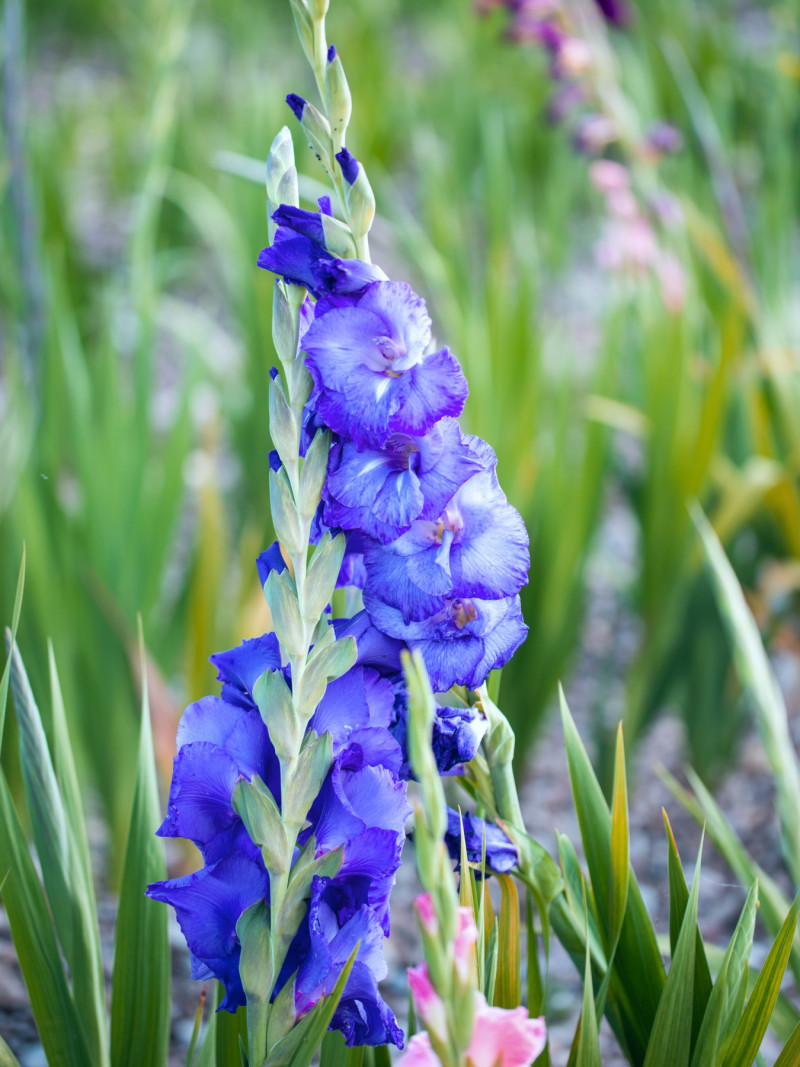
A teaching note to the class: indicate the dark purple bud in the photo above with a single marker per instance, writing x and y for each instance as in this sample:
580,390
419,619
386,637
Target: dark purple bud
615,11
273,373
349,165
324,204
274,461
297,104
332,53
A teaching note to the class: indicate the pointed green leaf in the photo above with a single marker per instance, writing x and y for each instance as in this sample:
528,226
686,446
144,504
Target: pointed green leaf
312,766
508,993
773,904
7,1057
140,989
331,663
753,1024
11,638
637,965
790,1053
59,844
322,574
727,995
254,804
257,974
758,678
670,1042
300,1045
620,848
585,1050
35,942
678,900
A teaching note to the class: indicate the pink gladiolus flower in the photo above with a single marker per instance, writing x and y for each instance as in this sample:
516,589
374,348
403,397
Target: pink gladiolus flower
427,1001
466,936
418,1053
504,1037
427,916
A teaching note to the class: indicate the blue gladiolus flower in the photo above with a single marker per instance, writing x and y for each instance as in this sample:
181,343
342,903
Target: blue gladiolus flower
361,806
299,254
461,641
478,547
501,854
382,491
373,375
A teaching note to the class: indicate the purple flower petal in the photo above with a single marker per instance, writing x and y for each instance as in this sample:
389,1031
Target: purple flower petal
208,905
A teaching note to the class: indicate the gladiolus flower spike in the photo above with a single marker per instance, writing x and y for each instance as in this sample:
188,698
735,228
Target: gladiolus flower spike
292,783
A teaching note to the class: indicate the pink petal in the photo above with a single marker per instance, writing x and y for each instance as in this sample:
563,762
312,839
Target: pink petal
419,1053
506,1037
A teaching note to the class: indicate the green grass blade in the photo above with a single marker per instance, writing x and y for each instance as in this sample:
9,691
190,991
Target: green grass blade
620,848
678,901
728,994
790,1053
749,1033
585,1051
4,681
69,888
671,1037
773,904
638,965
140,991
37,949
508,993
7,1057
758,679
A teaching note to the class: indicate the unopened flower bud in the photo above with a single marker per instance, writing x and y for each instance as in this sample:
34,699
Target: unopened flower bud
338,97
281,177
429,1005
315,126
426,913
359,197
464,945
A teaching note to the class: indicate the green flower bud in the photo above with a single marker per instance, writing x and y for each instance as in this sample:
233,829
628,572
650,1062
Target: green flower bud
281,176
338,99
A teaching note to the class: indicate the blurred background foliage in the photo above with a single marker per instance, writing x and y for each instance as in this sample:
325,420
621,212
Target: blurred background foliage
135,334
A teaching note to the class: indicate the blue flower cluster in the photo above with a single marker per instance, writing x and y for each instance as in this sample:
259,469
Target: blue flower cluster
440,553
361,806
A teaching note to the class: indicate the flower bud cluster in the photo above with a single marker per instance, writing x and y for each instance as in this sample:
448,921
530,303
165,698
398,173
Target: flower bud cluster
492,1036
461,1029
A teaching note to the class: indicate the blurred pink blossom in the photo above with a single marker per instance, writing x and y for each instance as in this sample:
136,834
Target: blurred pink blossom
466,937
503,1037
426,913
419,1053
428,1003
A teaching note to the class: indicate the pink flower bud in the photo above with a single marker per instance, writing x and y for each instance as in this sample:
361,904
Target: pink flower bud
427,1001
504,1037
426,914
466,937
418,1053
